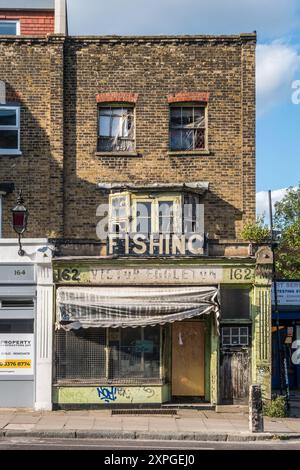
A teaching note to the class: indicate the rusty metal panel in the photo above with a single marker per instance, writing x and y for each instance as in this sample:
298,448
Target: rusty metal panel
234,376
188,359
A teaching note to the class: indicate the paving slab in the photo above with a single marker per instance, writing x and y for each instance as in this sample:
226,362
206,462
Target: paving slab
25,419
19,427
79,422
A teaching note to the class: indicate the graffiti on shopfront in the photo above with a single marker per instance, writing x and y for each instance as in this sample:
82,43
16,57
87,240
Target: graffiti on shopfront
111,394
107,394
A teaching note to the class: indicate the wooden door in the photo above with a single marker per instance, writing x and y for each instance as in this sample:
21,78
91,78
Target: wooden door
188,359
234,376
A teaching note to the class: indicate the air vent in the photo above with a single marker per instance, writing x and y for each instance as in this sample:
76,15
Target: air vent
16,303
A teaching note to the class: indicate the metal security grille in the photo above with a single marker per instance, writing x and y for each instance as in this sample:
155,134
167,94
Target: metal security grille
112,356
80,355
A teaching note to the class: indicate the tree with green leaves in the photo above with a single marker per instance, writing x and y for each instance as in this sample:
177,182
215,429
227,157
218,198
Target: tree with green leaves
287,221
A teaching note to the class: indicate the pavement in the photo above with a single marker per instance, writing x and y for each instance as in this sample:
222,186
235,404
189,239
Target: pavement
191,425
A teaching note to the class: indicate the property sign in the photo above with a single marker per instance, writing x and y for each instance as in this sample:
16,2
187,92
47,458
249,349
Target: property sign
288,293
16,354
16,274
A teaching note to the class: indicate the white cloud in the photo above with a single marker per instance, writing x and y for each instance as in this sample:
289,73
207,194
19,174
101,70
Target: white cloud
270,18
276,67
262,202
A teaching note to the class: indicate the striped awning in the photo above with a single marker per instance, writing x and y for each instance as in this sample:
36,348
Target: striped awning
114,307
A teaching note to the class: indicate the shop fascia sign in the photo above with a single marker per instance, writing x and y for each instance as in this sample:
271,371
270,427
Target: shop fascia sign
288,293
166,244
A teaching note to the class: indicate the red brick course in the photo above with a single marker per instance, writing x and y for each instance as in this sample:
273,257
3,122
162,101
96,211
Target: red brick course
188,97
116,97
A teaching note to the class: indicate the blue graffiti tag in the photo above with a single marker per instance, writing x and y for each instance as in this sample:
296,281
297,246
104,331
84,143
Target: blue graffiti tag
107,394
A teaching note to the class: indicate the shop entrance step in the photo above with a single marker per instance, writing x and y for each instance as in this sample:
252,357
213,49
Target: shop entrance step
188,406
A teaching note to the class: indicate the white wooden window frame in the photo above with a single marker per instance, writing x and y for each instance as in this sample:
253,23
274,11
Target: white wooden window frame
16,127
231,335
16,22
116,220
155,200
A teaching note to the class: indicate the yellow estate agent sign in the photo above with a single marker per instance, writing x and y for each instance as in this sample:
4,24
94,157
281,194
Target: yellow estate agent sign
16,354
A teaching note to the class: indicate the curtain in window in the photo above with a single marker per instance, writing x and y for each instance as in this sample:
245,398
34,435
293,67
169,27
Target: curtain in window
111,307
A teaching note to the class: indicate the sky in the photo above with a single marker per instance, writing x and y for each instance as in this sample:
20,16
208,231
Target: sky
277,23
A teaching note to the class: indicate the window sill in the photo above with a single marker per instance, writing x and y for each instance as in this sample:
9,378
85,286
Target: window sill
189,153
117,154
15,153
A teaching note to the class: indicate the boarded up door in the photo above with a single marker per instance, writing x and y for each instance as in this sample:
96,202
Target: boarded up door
188,359
234,376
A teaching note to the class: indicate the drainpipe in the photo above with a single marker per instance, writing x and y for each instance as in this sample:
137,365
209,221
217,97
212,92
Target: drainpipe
61,17
276,296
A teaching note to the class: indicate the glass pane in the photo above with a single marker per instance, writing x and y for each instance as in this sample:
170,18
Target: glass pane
176,140
166,217
187,117
130,354
143,215
8,29
226,339
104,126
106,144
226,331
117,125
118,207
199,135
143,209
151,350
244,340
8,139
8,117
244,331
175,114
117,112
187,140
199,117
235,340
235,331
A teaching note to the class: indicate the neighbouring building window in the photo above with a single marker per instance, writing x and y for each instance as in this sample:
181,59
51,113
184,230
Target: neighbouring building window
187,128
235,336
116,129
9,28
9,129
1,216
122,355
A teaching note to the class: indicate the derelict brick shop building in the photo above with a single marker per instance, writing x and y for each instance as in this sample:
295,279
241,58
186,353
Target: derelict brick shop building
167,305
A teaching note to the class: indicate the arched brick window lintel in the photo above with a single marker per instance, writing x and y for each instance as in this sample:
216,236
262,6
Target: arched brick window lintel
117,97
182,97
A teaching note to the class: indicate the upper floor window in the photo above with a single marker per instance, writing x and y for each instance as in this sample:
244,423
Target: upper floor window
116,129
9,129
187,127
9,28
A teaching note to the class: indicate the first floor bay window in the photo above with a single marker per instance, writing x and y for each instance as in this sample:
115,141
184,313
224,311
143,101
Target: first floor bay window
112,355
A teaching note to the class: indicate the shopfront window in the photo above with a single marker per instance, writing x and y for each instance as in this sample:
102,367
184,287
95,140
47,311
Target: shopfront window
121,355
